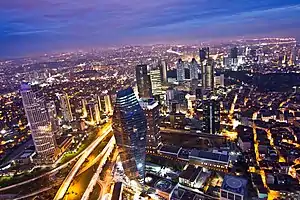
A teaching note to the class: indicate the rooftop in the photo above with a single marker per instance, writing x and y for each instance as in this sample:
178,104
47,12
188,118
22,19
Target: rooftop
234,184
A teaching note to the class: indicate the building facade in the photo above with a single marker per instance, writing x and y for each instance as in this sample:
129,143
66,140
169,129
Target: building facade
39,122
130,130
65,107
143,81
211,115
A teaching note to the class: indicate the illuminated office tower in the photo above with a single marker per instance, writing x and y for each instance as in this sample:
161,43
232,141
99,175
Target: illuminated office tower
151,110
65,107
180,70
84,110
130,130
39,123
234,57
53,116
155,82
194,69
163,71
211,115
143,81
108,108
97,113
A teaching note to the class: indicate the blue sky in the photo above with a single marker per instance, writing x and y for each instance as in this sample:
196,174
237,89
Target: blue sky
38,26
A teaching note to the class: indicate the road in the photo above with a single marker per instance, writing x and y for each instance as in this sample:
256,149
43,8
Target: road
110,146
34,193
66,183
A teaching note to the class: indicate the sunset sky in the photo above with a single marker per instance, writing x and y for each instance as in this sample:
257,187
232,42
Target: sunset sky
34,26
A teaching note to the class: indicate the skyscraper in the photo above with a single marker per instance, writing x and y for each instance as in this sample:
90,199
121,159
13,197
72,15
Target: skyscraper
143,81
211,115
194,69
84,110
130,130
163,71
53,116
207,69
151,110
99,102
65,107
180,70
207,72
156,84
39,123
204,54
234,56
94,113
108,107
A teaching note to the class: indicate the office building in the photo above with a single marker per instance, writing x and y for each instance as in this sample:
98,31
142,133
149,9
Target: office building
130,130
39,123
151,110
207,70
204,54
65,107
162,65
143,81
194,69
180,70
84,110
211,115
99,102
156,84
94,113
53,117
108,106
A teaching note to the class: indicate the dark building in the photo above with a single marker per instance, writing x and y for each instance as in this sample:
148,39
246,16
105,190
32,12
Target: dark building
143,81
234,52
163,71
211,115
130,129
204,53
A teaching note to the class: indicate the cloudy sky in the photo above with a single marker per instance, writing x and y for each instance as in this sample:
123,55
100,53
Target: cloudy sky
36,26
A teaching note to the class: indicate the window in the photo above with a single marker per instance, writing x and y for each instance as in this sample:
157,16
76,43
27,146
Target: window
223,194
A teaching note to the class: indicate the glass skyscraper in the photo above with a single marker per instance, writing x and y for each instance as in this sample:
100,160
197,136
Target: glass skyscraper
130,129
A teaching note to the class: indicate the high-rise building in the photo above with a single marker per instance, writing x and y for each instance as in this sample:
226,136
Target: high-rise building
99,102
156,84
163,71
53,116
219,80
39,122
180,70
130,130
194,69
204,54
108,106
151,110
143,81
65,107
211,115
207,69
94,113
234,57
84,110
207,72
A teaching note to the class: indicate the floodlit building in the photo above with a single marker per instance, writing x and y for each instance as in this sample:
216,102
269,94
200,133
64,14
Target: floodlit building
108,106
180,70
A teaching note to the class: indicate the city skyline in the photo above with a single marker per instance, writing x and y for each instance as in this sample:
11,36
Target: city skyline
64,25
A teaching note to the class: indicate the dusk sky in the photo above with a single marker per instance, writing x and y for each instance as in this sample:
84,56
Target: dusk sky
38,26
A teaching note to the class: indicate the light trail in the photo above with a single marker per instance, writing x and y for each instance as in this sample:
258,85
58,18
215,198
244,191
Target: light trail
99,169
65,185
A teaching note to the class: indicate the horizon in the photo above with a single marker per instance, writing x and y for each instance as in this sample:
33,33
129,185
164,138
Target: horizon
36,27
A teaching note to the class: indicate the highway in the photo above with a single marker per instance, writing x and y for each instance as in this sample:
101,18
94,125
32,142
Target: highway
108,149
66,183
